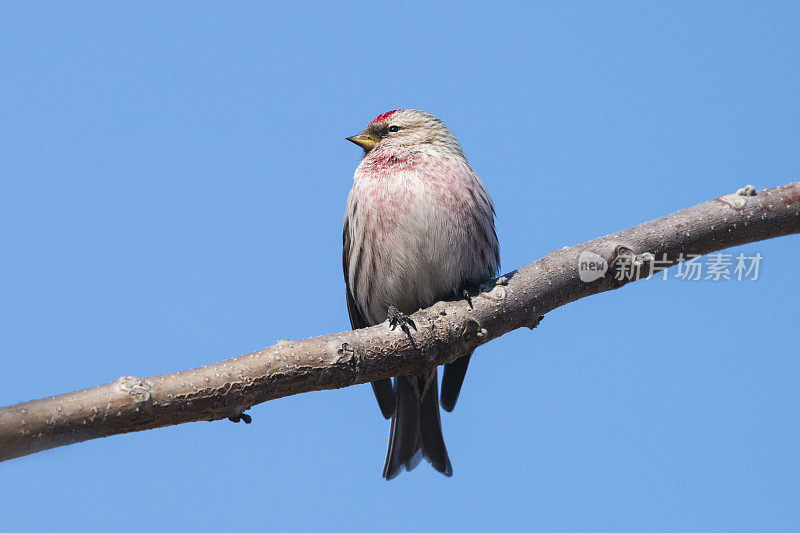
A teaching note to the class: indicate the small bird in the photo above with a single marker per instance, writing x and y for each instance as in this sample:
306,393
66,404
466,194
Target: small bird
419,228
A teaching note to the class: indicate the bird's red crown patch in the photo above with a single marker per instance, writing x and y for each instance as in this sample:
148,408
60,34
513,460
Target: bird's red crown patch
384,116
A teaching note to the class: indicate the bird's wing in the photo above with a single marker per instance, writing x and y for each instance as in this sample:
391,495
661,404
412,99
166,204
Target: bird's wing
384,392
452,379
453,376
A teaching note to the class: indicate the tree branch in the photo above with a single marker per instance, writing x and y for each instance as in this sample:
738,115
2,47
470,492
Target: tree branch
445,332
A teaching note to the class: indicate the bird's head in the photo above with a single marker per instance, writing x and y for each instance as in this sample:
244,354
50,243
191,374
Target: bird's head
407,131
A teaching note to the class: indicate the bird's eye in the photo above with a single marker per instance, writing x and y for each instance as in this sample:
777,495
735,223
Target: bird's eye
393,129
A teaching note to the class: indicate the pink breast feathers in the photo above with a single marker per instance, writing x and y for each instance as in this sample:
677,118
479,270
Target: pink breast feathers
444,181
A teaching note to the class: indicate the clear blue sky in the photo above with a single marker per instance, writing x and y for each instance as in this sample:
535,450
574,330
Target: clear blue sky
172,185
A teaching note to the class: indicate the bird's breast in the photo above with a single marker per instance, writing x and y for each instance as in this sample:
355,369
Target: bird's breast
417,226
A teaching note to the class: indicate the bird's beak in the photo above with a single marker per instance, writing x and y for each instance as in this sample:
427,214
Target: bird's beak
364,141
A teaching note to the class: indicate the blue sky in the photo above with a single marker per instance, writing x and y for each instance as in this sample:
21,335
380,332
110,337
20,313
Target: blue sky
171,194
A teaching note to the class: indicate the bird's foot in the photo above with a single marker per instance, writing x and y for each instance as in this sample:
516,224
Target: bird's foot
396,318
467,297
241,417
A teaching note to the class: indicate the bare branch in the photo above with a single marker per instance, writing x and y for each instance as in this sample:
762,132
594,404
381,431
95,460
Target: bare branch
445,331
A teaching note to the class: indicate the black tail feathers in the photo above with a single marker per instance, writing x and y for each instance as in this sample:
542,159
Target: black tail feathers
416,427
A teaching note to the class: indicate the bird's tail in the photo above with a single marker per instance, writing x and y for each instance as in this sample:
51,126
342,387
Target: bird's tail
416,427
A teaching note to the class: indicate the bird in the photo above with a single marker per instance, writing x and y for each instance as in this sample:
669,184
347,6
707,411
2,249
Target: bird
418,228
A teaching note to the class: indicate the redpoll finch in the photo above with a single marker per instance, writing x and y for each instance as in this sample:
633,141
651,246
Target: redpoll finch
419,228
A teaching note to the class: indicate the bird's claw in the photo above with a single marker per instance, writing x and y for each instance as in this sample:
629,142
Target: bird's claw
396,318
241,418
467,297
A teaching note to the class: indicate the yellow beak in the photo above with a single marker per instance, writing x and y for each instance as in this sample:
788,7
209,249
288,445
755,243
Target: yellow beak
367,143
